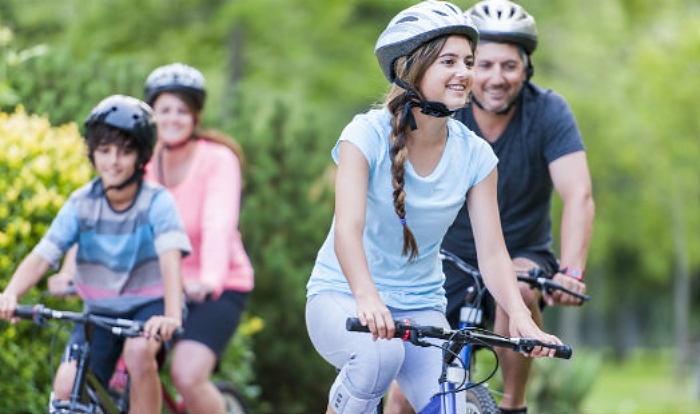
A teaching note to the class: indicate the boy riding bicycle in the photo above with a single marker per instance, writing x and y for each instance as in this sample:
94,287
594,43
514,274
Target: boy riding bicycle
130,241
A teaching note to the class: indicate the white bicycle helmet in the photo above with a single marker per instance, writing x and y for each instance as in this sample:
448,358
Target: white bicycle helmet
417,25
504,21
176,77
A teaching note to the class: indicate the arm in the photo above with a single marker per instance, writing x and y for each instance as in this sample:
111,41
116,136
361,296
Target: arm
28,274
220,217
170,268
59,283
350,209
495,263
572,182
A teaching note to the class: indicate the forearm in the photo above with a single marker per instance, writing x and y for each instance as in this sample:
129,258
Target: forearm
576,230
171,272
353,262
27,275
499,277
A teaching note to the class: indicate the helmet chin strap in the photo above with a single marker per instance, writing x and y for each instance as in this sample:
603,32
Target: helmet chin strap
135,177
431,108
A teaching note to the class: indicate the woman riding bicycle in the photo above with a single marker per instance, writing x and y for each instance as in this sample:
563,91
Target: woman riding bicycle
404,171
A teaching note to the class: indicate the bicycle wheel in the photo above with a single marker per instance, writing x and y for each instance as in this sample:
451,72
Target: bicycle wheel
235,403
480,401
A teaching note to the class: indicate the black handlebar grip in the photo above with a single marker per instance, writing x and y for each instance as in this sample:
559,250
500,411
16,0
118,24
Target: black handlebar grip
354,325
562,351
25,311
179,333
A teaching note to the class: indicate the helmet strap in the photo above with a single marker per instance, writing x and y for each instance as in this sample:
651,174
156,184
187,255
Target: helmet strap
135,177
431,108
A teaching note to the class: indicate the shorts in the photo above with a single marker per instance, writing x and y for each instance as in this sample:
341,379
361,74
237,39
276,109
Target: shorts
214,322
106,347
457,283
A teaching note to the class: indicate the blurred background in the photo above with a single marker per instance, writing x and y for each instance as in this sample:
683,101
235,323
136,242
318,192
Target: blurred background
284,77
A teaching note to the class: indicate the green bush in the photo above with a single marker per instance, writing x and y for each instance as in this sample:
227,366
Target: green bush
40,166
558,386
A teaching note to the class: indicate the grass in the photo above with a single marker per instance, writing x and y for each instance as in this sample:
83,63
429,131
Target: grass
644,384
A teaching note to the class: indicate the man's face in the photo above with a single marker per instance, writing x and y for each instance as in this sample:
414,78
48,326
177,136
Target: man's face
499,75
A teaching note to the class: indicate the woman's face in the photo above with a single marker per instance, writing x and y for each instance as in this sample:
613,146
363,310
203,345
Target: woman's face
499,75
174,120
449,78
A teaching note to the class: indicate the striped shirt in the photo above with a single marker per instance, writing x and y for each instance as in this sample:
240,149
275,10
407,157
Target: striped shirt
117,267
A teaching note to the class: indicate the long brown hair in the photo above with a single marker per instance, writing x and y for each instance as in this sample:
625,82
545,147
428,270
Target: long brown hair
410,70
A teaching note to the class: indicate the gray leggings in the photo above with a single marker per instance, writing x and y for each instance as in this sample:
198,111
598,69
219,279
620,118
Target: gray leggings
367,368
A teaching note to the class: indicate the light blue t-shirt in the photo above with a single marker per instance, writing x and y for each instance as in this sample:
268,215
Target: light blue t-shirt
432,203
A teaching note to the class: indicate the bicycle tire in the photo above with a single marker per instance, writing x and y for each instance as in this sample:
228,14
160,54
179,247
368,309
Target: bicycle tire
480,401
235,403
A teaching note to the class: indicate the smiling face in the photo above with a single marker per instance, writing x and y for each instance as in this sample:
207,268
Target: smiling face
499,75
449,78
175,121
115,163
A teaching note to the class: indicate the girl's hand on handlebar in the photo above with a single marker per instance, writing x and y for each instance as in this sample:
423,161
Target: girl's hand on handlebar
161,327
525,327
373,314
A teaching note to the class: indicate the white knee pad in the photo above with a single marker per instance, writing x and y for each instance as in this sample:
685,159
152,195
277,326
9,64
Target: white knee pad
343,402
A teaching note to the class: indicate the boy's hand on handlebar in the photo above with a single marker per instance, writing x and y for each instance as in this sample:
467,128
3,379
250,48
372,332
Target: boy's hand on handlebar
8,303
562,298
161,327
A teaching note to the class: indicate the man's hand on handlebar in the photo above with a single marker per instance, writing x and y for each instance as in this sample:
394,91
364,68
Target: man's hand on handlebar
559,297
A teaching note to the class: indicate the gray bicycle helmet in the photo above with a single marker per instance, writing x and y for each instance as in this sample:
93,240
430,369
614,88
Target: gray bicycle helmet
176,77
417,25
504,21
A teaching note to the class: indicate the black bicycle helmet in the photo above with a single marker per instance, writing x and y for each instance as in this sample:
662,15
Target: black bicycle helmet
176,77
504,21
128,114
417,25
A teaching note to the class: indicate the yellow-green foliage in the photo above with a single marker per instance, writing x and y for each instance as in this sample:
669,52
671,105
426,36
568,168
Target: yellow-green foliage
40,166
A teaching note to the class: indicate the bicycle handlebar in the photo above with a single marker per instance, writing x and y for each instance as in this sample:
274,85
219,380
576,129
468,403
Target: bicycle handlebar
117,326
413,334
536,278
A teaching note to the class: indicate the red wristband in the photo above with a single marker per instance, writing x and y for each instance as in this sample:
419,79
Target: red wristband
573,272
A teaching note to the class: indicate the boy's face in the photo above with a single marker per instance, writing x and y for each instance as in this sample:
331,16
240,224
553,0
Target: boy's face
114,163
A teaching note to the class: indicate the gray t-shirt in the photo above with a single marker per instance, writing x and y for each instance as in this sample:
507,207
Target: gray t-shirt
542,129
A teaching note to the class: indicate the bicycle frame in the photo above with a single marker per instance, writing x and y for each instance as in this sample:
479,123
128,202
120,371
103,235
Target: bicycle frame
88,395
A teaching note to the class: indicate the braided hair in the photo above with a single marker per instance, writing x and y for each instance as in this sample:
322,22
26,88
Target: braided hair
410,70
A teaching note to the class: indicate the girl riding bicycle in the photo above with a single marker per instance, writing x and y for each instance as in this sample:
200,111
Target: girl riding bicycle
404,170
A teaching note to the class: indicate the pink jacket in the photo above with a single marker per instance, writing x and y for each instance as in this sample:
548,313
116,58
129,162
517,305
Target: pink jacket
208,200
